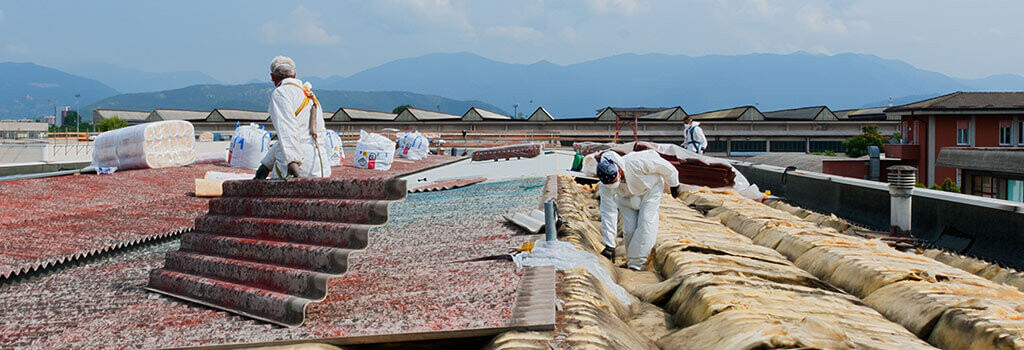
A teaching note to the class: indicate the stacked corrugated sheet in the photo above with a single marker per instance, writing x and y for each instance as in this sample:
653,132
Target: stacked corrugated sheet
267,248
508,152
586,148
949,307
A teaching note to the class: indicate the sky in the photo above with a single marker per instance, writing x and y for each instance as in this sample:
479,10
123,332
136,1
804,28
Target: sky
234,41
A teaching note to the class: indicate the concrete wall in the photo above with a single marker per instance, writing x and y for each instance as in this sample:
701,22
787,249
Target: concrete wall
996,226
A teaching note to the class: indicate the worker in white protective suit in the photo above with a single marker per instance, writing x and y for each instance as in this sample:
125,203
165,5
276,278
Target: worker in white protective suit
297,116
693,136
631,186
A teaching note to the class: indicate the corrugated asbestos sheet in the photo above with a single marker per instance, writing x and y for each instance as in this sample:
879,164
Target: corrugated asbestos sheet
447,185
267,248
50,221
405,282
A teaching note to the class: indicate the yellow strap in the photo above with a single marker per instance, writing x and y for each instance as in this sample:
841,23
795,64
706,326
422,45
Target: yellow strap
307,96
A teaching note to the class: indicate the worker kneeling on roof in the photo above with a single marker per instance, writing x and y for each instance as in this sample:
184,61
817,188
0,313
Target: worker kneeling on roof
632,185
298,118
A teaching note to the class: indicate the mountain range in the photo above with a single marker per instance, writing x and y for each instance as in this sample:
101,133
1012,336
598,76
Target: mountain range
701,83
29,90
128,80
769,81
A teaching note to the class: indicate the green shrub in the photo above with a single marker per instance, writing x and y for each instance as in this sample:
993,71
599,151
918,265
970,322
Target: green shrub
948,186
858,145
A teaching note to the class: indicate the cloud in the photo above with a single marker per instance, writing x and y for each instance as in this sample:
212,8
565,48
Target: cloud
440,13
814,20
18,50
299,27
518,33
626,7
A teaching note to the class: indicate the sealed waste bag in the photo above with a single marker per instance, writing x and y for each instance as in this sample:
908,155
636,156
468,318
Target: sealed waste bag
169,143
413,145
373,151
332,141
248,146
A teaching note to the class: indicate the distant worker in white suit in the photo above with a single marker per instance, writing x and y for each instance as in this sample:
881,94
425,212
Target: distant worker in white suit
298,119
693,136
632,185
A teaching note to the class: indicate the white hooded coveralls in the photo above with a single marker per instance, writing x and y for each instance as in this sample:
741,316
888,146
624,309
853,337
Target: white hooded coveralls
637,198
693,138
294,143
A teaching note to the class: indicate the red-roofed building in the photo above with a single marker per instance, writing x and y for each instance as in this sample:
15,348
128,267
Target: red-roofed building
966,137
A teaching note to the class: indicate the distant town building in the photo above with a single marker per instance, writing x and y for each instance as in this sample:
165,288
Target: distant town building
50,120
973,138
22,129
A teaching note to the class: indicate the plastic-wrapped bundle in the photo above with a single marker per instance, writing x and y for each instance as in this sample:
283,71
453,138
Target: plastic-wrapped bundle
248,146
334,147
413,145
162,144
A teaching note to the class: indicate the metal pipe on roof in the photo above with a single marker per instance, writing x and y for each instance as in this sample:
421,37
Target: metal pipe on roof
549,221
88,169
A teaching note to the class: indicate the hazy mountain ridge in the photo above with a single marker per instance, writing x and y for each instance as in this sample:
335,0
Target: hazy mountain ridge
697,83
28,90
701,83
129,80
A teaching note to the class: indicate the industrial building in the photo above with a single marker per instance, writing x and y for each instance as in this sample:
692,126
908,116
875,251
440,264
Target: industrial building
22,129
736,131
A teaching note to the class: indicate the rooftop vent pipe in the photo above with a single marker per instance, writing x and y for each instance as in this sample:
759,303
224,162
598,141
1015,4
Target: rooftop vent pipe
874,163
901,185
549,221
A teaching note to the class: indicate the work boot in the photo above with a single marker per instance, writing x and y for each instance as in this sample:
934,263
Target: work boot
609,253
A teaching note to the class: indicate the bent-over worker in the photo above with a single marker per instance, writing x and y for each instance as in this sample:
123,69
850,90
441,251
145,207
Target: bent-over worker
298,118
632,185
693,136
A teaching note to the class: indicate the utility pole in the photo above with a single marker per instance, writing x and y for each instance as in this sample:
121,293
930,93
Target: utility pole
515,111
78,116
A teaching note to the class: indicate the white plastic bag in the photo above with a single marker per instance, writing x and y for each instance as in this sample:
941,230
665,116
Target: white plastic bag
334,148
413,145
248,146
373,151
169,143
563,256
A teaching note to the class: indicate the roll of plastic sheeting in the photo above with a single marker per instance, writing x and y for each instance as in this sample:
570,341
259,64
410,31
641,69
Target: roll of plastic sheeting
162,144
248,146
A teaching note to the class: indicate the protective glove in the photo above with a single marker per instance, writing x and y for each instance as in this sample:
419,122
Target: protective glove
293,169
262,173
675,191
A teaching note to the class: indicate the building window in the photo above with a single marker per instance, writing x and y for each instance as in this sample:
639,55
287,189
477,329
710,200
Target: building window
788,146
1020,134
963,137
985,186
749,146
1005,133
822,146
716,146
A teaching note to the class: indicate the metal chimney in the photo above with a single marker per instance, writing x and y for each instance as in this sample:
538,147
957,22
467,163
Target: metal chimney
901,185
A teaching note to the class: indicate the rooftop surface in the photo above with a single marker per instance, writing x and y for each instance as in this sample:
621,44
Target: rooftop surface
51,220
409,279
